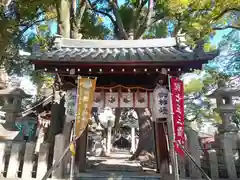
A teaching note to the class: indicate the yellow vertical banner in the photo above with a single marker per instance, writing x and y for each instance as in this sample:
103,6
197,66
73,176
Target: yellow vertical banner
85,94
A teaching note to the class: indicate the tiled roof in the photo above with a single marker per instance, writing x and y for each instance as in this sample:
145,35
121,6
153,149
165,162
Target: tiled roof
155,50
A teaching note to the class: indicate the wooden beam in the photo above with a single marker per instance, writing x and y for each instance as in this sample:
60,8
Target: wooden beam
81,151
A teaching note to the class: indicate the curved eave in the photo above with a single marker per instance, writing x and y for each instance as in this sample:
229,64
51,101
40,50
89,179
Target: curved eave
65,67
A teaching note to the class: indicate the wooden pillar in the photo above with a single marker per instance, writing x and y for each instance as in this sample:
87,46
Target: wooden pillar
156,145
161,145
82,151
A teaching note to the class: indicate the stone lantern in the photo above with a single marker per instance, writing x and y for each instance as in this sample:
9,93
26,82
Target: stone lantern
225,107
228,132
12,106
107,119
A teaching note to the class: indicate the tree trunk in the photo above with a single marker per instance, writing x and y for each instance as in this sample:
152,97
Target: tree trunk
117,118
63,13
146,136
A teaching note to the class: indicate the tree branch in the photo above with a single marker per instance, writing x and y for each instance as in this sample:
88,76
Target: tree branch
79,13
30,25
227,27
38,15
226,11
147,21
137,14
118,20
93,8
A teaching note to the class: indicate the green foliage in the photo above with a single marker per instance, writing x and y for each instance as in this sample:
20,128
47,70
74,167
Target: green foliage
93,27
198,106
200,19
158,30
236,116
16,18
35,14
195,85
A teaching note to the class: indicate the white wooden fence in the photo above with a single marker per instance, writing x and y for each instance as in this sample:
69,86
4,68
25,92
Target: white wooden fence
19,160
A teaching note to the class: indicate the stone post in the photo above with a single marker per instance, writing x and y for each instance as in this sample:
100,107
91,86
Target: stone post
194,147
213,164
2,160
59,146
109,139
133,142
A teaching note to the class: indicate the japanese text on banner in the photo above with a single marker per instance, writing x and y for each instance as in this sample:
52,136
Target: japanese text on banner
177,96
86,90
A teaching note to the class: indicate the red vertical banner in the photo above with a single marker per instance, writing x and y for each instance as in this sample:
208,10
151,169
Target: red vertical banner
177,100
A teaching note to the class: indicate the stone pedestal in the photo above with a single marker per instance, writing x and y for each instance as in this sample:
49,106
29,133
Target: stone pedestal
194,150
133,140
109,139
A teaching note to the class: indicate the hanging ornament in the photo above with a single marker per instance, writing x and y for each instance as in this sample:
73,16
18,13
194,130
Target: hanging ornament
127,99
141,98
111,99
138,95
98,96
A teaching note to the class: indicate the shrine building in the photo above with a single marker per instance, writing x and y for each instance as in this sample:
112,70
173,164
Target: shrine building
126,68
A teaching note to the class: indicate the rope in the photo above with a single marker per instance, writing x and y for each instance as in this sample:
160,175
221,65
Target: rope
119,86
36,105
123,87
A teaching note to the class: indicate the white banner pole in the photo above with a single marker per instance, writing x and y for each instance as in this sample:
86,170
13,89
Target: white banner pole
173,154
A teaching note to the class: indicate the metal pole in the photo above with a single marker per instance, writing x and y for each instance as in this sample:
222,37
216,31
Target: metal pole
73,135
72,169
171,141
192,159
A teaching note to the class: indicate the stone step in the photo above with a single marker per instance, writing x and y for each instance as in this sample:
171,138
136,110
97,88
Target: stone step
115,166
117,176
114,162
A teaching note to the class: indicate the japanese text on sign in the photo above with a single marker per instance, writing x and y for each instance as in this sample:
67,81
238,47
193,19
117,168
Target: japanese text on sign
177,97
86,89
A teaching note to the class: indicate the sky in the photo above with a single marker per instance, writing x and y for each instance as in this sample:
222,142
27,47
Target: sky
218,36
